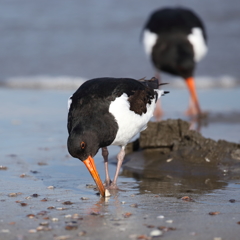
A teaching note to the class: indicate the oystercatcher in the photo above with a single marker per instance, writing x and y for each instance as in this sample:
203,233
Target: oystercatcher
175,40
108,111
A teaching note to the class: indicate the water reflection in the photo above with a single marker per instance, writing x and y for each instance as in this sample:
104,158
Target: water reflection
172,174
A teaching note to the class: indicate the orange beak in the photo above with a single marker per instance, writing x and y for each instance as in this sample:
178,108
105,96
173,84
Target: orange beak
89,163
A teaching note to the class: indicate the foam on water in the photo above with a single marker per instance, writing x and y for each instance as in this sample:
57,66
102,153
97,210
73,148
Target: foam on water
69,82
44,82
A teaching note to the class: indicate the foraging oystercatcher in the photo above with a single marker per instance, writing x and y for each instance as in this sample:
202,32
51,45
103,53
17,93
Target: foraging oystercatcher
108,111
175,40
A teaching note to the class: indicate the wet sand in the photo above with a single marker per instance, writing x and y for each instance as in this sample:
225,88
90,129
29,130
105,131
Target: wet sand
33,150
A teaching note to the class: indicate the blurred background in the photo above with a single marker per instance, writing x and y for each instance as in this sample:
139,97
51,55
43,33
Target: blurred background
58,41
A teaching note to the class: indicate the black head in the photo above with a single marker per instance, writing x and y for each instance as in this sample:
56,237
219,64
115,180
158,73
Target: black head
81,145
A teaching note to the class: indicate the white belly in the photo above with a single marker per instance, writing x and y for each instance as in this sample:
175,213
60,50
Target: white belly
128,121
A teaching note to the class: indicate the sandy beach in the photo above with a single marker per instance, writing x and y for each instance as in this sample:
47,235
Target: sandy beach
34,157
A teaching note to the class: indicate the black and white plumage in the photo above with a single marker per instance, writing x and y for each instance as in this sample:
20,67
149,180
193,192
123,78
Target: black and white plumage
175,40
108,111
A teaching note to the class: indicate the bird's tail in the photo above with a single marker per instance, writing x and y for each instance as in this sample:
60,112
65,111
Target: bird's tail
160,93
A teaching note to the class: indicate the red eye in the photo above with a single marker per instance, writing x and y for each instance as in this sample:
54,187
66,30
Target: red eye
82,145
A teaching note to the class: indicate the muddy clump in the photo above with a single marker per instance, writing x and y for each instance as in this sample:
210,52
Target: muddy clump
164,141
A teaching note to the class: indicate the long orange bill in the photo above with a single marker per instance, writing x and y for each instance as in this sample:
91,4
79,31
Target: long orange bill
192,89
89,163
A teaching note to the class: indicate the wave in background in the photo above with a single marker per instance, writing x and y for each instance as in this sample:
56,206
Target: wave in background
69,83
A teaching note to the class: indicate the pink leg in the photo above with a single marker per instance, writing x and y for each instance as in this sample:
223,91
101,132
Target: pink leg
120,158
158,111
105,157
191,108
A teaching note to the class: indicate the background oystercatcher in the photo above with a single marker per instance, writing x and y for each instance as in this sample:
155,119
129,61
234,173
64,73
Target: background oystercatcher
175,40
108,111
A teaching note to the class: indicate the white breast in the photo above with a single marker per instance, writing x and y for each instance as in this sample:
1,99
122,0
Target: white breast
128,121
69,102
149,40
199,46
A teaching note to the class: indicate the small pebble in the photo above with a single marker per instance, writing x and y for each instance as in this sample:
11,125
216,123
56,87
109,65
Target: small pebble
192,233
43,228
217,238
187,199
207,160
61,208
12,223
160,216
67,203
12,194
90,186
32,230
95,213
133,236
166,229
31,216
134,205
107,193
5,231
35,195
82,233
123,202
42,213
149,226
169,160
214,213
44,223
143,237
44,200
3,167
50,187
71,227
23,204
156,233
40,228
54,219
169,221
84,198
51,207
23,175
127,214
75,216
232,200
63,237
68,216
42,163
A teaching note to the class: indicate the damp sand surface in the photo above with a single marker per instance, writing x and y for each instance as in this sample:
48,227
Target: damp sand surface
46,194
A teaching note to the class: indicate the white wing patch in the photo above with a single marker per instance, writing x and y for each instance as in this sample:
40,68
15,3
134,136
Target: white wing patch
69,102
149,40
199,46
129,123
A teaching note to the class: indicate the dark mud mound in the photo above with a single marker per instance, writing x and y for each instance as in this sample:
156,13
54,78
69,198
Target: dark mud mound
169,148
173,136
